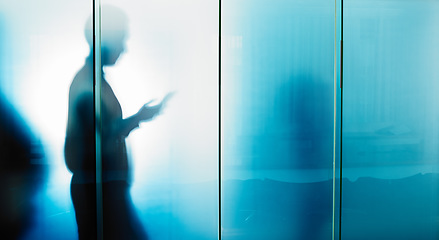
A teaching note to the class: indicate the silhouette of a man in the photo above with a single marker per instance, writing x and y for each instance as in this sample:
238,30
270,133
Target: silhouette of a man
119,218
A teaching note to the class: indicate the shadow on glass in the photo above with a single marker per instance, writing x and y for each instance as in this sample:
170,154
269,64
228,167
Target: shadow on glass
21,172
120,220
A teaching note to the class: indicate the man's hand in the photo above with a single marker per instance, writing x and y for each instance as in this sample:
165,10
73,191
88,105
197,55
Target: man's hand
147,112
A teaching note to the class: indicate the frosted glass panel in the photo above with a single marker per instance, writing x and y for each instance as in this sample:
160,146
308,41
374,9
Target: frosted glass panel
277,119
168,166
41,48
160,123
390,120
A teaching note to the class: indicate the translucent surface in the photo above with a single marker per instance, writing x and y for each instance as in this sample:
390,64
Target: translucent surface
41,45
172,178
168,46
390,120
277,119
160,161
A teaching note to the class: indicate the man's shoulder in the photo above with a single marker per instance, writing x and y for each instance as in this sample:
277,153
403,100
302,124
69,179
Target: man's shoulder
82,82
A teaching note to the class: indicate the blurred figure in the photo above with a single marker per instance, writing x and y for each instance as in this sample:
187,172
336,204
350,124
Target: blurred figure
21,172
119,218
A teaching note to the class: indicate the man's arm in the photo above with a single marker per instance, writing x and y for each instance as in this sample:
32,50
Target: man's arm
125,126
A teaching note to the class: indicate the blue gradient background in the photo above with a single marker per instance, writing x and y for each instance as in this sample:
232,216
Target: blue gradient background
276,116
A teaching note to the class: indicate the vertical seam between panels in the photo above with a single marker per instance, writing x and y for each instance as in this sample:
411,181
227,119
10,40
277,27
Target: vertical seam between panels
219,123
334,123
97,70
341,120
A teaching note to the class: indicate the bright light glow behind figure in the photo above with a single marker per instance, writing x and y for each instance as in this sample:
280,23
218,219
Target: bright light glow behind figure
172,46
169,50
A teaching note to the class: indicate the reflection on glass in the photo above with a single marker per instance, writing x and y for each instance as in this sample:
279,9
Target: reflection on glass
277,119
390,120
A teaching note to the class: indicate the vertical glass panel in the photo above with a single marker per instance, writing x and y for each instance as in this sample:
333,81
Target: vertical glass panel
390,120
277,119
80,141
160,119
41,46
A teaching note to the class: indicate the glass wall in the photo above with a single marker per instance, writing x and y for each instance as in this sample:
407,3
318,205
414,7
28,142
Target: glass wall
165,48
41,45
138,108
390,120
277,91
159,169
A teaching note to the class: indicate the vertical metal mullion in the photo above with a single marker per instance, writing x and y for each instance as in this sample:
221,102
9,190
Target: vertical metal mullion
341,120
338,116
97,72
334,152
219,123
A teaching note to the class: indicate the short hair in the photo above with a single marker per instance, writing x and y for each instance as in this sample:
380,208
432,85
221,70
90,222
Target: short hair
114,25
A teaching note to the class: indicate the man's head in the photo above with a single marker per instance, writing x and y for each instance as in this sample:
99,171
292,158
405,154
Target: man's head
114,30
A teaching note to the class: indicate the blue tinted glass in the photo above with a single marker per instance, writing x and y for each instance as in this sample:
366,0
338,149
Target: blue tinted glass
41,48
390,120
277,119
